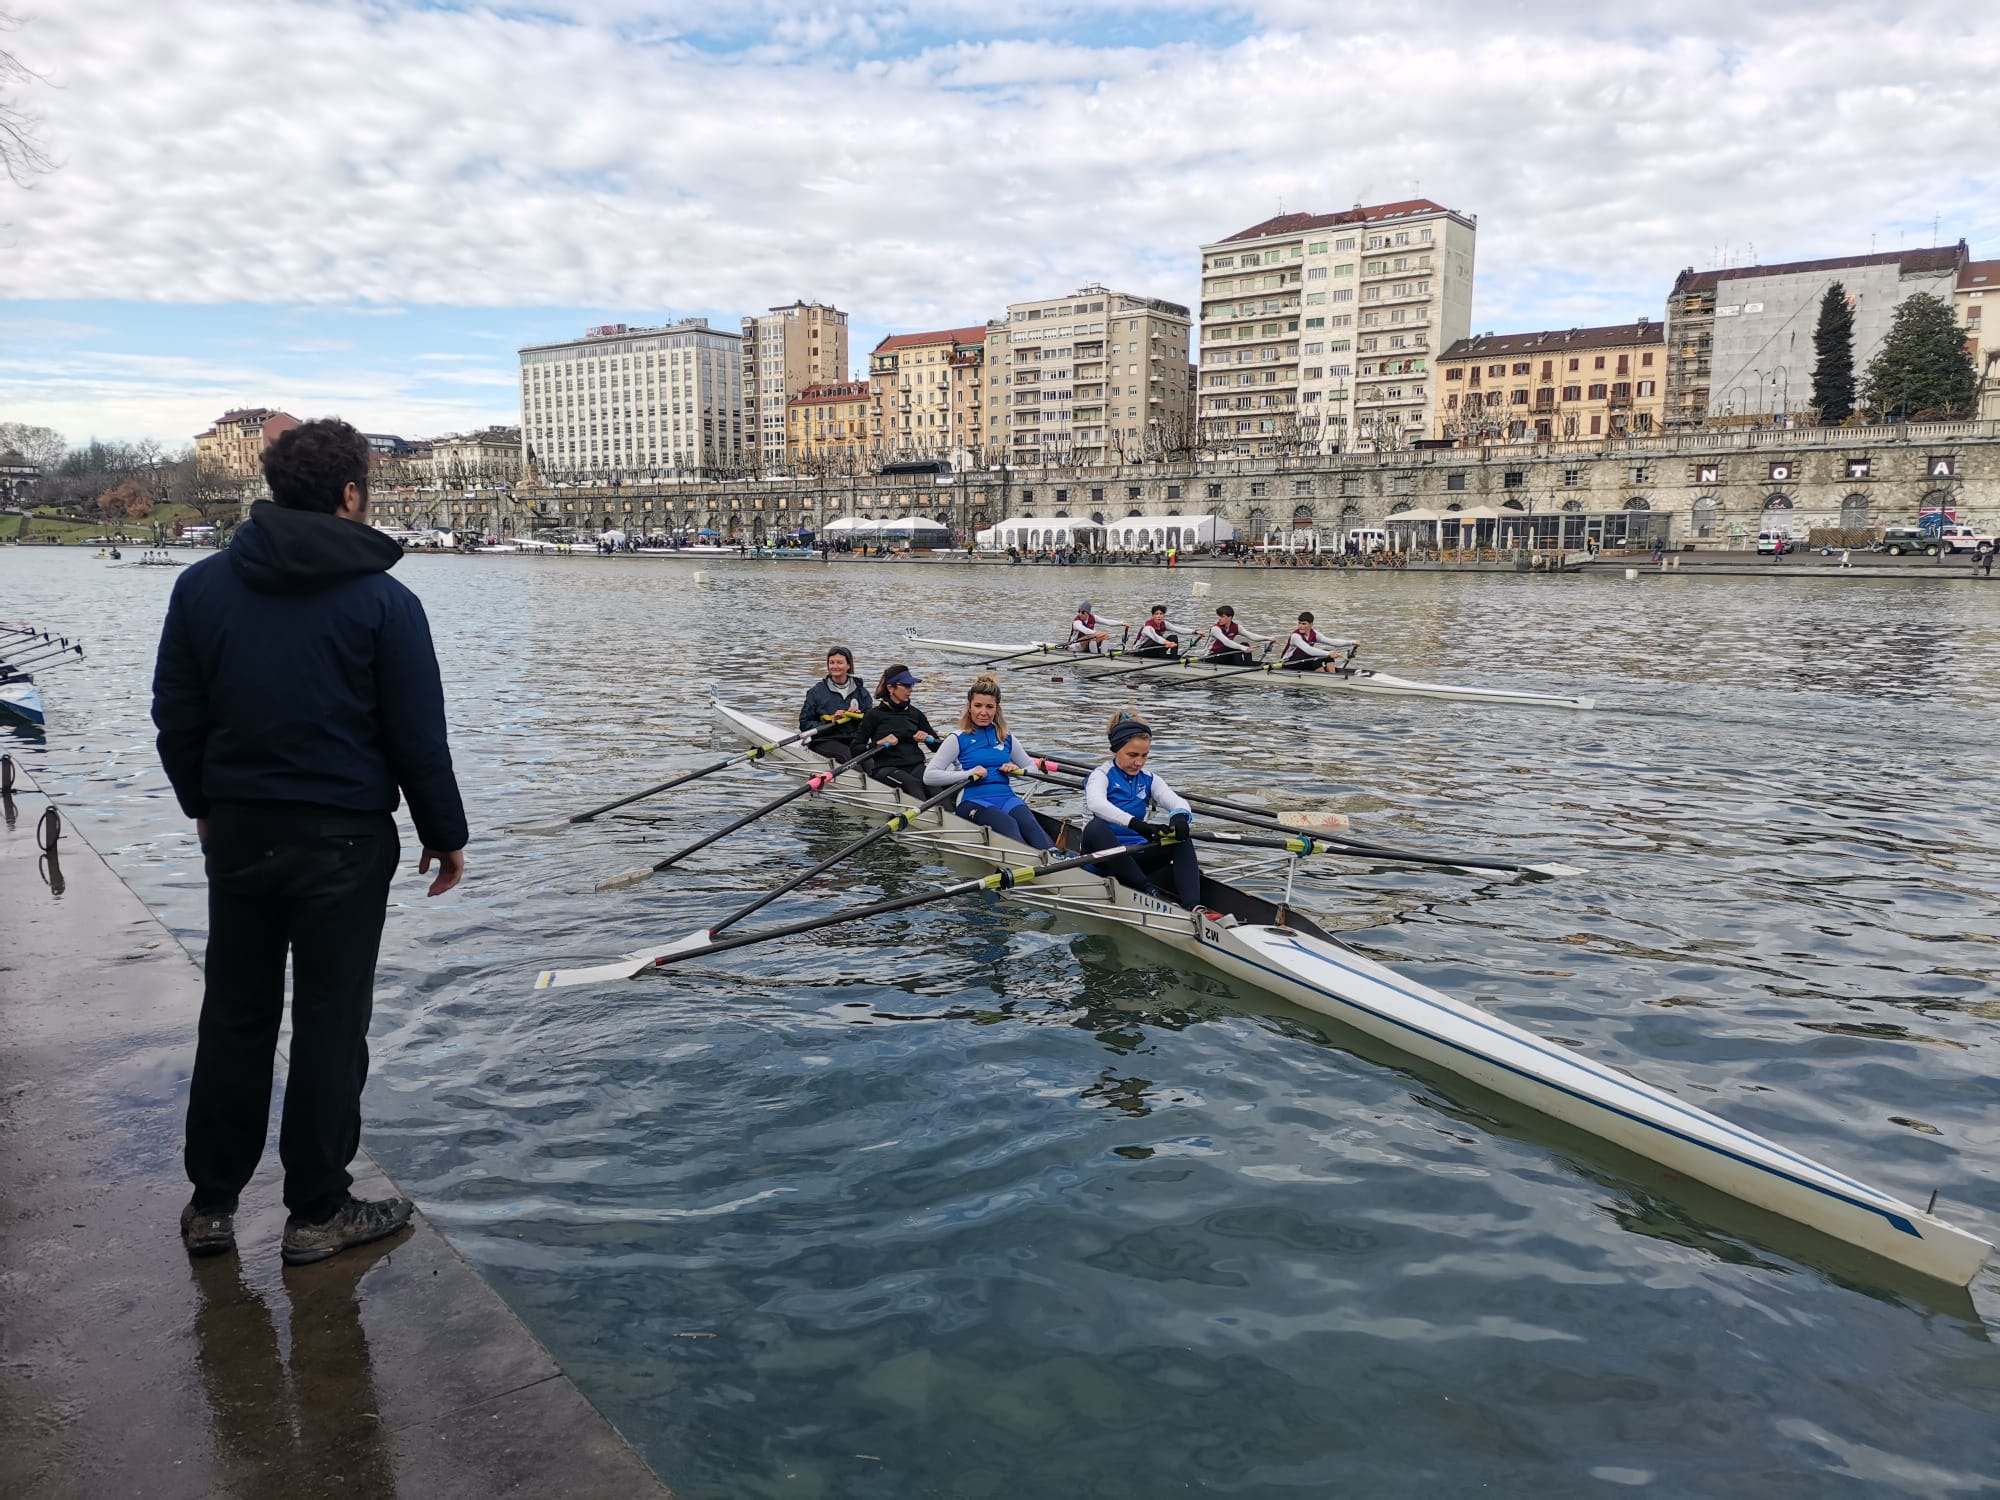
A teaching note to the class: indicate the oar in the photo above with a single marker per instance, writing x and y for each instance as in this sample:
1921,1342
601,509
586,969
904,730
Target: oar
812,784
896,824
724,764
1284,817
42,658
644,961
1259,666
1145,666
1038,649
1302,844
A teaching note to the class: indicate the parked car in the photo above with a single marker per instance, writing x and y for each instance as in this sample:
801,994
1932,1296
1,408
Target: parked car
1767,541
1897,540
1963,538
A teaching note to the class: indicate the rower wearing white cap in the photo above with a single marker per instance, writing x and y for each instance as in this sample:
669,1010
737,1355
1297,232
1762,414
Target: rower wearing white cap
1229,642
1086,632
1309,651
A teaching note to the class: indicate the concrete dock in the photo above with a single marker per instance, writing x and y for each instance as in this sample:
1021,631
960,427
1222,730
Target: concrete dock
129,1369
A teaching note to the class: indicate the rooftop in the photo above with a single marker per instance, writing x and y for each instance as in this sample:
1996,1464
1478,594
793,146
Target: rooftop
1407,208
1615,336
975,335
1912,263
821,395
1979,275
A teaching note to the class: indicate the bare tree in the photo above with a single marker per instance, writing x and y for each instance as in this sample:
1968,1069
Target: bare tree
22,154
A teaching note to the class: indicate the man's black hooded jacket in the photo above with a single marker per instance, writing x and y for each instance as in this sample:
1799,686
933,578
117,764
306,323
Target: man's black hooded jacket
293,669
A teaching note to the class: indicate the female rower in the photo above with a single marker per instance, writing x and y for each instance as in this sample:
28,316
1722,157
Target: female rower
980,757
837,693
1123,797
1309,651
1156,636
1085,632
899,725
1228,642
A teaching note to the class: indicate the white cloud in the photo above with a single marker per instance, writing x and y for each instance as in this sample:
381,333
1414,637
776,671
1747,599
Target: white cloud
374,156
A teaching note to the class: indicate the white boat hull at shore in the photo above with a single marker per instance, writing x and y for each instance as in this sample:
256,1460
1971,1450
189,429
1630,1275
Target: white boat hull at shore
1356,680
1270,949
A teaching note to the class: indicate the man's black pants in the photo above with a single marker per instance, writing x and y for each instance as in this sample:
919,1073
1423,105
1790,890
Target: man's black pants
314,882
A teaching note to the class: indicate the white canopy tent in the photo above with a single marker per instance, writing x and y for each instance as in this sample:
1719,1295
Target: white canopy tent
902,529
1034,533
1158,533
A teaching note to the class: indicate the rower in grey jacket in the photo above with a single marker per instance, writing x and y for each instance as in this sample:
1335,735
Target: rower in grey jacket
839,692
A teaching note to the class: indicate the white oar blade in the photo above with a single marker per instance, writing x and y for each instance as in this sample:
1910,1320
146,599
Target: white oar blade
540,828
1326,822
631,966
1555,872
628,879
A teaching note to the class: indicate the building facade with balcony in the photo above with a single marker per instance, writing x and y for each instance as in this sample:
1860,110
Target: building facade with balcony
1979,294
1087,378
476,459
827,426
1740,340
784,351
634,401
234,447
927,398
1319,331
1560,385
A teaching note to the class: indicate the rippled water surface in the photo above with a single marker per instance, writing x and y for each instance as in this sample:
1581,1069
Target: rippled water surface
966,1203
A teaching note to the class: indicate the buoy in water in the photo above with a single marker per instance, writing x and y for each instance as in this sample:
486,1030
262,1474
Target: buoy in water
1631,572
1201,591
700,576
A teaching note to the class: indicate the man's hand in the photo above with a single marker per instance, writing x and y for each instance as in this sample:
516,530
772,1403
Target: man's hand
451,869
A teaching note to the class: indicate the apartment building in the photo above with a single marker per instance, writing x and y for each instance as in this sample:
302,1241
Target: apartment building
784,351
1090,377
1739,340
1561,384
1319,331
630,400
926,396
827,426
1979,294
234,446
488,457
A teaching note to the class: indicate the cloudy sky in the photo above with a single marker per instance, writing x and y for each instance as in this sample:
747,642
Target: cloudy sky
364,206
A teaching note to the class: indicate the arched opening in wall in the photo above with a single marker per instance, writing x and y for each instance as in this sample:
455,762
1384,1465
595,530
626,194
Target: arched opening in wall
1854,512
1940,503
1257,525
1779,503
1572,505
1097,518
979,521
1512,505
1706,509
1400,506
1638,502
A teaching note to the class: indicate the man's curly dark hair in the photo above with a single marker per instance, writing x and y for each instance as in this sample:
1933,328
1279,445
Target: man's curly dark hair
310,467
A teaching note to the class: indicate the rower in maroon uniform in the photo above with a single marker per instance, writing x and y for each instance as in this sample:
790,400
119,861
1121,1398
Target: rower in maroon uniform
1086,632
1229,642
1308,651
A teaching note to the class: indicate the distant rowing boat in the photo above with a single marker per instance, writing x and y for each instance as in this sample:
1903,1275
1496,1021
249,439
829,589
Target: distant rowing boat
1264,674
1274,949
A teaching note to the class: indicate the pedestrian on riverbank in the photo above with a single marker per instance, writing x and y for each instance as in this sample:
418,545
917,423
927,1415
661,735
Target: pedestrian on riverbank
296,694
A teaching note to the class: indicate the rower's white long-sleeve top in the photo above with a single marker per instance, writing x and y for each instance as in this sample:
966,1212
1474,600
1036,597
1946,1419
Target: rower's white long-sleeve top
1149,635
1328,645
1077,629
943,769
1097,798
1222,641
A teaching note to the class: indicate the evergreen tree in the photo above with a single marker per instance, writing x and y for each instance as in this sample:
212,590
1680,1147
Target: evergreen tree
1833,358
1922,369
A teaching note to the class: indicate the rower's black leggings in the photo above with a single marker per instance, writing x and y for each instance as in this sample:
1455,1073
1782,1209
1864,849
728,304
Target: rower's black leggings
1134,869
1230,659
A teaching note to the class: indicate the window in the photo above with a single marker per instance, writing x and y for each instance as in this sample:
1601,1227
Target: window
1350,485
1647,387
1646,360
1454,374
1516,479
1133,492
1621,390
1496,369
1857,468
1518,398
1522,368
1598,363
1302,486
1213,491
1454,481
1097,496
1173,492
1596,424
1572,478
1598,392
1316,273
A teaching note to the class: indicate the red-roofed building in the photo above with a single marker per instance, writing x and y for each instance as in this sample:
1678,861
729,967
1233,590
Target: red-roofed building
1319,331
1561,384
1978,295
925,395
829,422
234,446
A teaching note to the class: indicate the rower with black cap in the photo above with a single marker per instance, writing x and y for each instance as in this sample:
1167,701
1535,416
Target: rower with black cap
1309,651
898,724
839,692
1085,633
1132,806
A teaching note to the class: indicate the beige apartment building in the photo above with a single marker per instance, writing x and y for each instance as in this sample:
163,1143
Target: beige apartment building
1560,385
827,427
234,447
1087,378
1319,331
1978,294
485,458
784,351
926,398
626,400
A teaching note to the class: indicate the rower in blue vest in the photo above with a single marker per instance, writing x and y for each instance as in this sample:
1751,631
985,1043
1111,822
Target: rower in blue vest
980,756
1132,806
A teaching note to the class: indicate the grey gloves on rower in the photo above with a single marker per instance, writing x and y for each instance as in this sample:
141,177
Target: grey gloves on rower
1178,825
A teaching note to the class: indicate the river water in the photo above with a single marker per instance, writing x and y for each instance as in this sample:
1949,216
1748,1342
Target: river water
962,1203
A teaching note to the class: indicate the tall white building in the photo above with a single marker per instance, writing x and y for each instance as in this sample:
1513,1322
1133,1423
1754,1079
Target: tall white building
628,400
1318,331
1088,378
784,351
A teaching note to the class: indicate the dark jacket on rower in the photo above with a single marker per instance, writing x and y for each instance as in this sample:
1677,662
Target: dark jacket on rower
910,728
293,669
823,699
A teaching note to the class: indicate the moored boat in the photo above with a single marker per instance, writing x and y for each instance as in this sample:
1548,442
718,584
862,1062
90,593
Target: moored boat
1350,679
1270,947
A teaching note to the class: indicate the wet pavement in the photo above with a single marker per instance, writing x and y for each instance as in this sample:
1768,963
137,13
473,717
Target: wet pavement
131,1370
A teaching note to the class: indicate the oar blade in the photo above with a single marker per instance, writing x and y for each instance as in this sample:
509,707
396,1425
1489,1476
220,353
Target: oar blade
631,966
557,826
1551,871
627,880
1325,822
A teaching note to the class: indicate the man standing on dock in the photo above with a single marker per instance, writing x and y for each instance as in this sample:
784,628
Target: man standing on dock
296,692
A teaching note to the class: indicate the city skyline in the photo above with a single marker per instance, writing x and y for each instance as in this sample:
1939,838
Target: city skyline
344,232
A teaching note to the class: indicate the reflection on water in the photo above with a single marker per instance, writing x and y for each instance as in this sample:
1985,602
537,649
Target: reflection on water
971,1202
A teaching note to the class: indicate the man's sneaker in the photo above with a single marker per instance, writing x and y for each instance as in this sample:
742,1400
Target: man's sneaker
358,1222
207,1233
